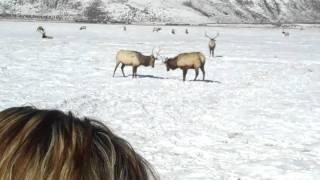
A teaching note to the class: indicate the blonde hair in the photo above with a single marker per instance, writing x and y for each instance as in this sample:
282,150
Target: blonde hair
49,144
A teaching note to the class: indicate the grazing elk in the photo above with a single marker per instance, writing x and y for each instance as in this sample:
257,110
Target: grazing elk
185,61
43,32
134,59
156,29
83,27
212,43
285,33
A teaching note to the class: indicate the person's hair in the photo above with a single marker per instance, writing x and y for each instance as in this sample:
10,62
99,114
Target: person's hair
49,144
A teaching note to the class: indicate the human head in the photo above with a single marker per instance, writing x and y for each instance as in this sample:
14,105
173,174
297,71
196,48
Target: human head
49,144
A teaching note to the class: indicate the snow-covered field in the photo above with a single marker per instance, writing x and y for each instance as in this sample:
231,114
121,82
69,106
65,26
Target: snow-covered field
256,117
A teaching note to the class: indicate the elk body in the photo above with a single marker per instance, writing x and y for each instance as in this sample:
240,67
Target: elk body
285,33
156,29
212,43
83,27
43,32
134,59
185,61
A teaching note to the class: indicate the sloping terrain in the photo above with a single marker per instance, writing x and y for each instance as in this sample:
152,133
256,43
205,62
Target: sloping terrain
174,11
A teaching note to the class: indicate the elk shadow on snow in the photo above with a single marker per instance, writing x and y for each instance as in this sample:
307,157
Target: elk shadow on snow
140,76
206,81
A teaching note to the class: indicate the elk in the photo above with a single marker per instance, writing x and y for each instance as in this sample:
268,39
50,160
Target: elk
134,59
212,43
43,32
173,31
124,28
83,27
285,33
156,29
185,61
187,31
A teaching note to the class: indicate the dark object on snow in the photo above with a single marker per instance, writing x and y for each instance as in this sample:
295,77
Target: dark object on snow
83,27
285,33
156,29
41,30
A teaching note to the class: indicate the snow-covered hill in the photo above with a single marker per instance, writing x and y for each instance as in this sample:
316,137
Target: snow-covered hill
174,11
255,118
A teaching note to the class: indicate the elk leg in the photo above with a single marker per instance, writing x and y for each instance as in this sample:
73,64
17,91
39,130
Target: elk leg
184,74
122,67
115,68
203,72
197,73
134,71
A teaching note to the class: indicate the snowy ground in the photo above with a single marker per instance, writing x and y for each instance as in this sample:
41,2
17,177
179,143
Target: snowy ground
256,116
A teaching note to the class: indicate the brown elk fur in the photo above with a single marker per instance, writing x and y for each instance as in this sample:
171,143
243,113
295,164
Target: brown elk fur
134,59
185,61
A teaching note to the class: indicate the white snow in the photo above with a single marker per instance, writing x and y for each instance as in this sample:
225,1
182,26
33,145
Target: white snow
256,116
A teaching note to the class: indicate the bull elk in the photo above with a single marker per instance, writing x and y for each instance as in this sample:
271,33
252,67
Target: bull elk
134,59
41,30
212,43
185,61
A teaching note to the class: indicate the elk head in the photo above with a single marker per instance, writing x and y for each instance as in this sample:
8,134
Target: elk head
41,30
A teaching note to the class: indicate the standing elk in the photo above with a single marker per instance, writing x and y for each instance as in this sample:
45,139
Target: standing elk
43,32
212,43
134,59
185,61
83,28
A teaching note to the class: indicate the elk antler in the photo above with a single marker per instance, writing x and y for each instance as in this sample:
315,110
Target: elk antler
218,34
153,51
158,53
206,35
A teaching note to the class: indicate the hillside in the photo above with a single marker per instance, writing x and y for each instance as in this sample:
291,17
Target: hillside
171,11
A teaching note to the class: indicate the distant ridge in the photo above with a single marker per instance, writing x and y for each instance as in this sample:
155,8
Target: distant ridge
167,11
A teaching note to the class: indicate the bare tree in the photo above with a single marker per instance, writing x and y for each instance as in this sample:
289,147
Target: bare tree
95,12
